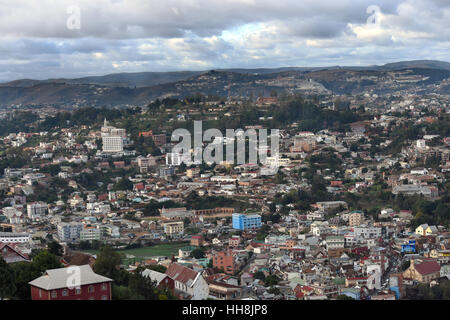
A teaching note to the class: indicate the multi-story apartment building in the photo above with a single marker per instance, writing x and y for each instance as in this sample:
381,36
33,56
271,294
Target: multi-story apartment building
225,261
14,237
69,232
36,209
367,232
335,242
111,144
174,228
90,233
355,218
111,231
246,222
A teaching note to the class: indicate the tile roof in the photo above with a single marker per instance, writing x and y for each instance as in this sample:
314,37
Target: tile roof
427,267
182,274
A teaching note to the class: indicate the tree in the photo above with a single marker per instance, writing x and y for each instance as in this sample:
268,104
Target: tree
271,281
24,272
7,280
55,248
197,253
157,267
405,265
108,263
259,275
142,288
45,260
274,290
123,184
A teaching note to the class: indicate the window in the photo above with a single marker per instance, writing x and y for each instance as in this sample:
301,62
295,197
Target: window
65,293
104,298
40,293
54,294
78,291
91,289
104,286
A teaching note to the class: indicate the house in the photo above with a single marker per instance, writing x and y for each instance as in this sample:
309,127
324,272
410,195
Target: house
10,254
424,272
197,241
234,241
163,281
220,288
54,285
188,282
185,252
425,230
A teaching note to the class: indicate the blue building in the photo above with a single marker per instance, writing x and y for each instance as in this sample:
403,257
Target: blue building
410,247
246,222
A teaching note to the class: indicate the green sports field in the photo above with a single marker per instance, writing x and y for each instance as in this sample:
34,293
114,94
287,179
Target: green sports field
166,249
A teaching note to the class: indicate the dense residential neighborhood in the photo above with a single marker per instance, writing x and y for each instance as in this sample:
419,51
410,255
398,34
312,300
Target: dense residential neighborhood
358,208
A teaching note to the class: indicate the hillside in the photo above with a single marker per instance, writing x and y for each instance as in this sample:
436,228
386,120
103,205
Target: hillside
142,88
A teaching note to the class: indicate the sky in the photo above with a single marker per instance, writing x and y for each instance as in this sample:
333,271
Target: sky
75,38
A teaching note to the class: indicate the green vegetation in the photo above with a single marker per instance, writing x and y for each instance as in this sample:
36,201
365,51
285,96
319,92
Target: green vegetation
127,286
424,292
7,280
17,122
27,271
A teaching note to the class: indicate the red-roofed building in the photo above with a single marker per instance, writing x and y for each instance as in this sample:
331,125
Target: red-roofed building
424,272
188,283
139,186
197,241
298,292
102,197
10,254
54,285
336,183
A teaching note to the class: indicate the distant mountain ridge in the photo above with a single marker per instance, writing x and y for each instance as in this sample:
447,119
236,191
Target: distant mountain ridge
126,89
146,79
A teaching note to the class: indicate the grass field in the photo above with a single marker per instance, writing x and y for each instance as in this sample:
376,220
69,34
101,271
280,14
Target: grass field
166,249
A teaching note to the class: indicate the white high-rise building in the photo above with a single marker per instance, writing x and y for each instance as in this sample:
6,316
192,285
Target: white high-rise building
112,138
112,144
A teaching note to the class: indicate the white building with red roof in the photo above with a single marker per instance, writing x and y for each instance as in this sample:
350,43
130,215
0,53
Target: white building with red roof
188,282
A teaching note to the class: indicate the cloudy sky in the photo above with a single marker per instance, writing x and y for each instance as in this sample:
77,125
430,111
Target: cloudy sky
72,38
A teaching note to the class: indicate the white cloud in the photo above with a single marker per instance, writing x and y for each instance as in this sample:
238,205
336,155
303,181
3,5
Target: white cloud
142,35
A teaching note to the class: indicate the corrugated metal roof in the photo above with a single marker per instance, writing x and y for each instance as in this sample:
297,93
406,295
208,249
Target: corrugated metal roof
59,278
